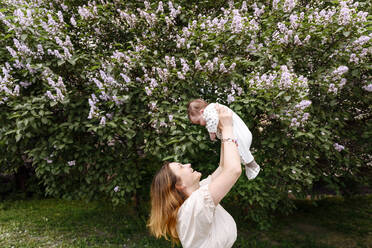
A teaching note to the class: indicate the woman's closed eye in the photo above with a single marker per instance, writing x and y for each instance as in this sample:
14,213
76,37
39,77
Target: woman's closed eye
183,166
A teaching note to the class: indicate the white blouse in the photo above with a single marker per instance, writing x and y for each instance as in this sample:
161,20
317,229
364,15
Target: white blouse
201,224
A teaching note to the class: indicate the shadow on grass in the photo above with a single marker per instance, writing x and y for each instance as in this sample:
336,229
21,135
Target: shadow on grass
329,223
74,224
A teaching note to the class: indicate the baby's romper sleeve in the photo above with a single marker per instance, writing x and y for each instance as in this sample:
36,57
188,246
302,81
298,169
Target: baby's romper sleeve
211,118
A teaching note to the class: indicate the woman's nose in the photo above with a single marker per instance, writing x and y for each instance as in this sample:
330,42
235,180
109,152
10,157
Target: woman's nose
187,165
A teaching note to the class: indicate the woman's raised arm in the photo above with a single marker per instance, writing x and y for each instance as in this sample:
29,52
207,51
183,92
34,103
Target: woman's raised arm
220,165
230,168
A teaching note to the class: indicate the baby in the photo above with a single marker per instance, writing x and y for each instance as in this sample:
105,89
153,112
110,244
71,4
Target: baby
204,114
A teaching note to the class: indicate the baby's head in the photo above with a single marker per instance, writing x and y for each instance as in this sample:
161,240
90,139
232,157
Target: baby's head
195,110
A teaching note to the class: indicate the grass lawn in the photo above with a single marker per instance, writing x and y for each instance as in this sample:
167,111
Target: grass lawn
333,223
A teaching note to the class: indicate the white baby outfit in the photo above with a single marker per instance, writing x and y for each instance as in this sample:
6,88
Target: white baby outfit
201,224
241,133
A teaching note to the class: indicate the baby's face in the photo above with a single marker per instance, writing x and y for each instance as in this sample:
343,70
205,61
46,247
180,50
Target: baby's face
198,120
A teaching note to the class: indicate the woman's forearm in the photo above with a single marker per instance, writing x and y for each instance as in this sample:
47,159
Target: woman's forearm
229,170
221,154
229,152
218,171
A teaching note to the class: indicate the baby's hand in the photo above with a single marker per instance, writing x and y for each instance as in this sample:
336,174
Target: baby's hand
212,136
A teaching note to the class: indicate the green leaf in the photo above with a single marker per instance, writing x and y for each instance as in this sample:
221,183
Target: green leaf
355,73
169,157
231,37
280,93
52,103
18,137
310,135
333,103
111,124
130,134
172,141
339,29
44,120
72,61
238,107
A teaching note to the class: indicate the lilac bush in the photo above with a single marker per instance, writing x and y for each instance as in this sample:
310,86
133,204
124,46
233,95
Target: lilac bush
94,92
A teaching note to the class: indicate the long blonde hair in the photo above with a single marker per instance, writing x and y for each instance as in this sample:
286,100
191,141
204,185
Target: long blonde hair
166,199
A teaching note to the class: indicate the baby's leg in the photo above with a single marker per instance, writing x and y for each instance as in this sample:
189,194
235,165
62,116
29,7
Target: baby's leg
244,138
251,167
251,170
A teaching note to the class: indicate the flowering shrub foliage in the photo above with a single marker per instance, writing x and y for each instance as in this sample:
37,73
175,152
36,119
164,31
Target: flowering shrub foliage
94,92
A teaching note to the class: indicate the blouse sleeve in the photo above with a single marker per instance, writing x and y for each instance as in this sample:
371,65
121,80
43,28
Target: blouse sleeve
211,118
205,181
195,218
207,203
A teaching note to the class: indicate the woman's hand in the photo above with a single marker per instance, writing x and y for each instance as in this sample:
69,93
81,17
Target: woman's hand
225,118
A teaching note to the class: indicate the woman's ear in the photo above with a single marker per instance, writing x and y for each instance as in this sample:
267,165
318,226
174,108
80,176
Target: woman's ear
201,111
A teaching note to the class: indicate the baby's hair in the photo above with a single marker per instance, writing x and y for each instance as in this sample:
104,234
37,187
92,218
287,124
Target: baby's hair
194,107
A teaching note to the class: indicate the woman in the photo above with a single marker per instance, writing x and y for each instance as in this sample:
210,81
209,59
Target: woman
187,210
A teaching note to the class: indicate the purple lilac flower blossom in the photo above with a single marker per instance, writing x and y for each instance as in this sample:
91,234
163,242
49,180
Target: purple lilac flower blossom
341,70
338,147
71,163
303,104
368,88
289,5
103,121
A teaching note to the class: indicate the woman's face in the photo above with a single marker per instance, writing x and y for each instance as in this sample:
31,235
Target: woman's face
188,176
